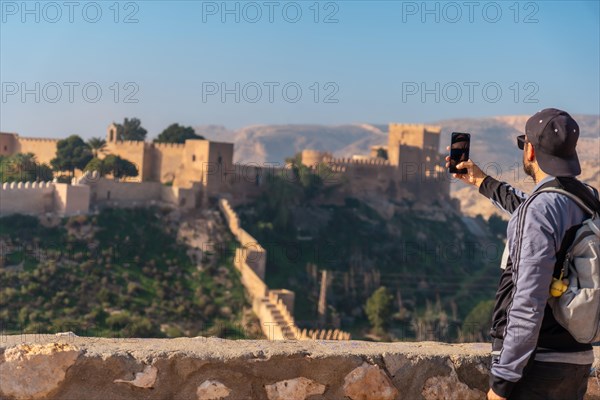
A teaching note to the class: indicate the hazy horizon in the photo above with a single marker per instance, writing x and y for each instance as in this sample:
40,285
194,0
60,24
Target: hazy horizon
153,134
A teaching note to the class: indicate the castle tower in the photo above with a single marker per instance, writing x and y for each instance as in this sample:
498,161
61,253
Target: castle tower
112,133
311,158
8,143
424,137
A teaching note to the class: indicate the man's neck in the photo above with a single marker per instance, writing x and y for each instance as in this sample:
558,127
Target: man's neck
539,175
538,178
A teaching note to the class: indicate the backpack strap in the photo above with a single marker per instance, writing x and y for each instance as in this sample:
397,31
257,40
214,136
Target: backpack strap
584,195
577,191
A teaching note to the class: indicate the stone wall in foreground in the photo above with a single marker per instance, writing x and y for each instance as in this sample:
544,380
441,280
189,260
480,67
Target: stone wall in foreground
64,366
68,367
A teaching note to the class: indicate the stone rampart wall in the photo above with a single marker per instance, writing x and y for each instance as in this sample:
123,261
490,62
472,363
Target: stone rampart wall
274,308
26,198
44,149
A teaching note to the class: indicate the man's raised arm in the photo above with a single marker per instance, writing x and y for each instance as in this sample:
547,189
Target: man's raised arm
501,194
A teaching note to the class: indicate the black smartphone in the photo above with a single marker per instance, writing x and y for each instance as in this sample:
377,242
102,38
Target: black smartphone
459,151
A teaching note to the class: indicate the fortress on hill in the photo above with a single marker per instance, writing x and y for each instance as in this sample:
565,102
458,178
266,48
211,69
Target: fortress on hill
412,171
409,167
201,171
179,164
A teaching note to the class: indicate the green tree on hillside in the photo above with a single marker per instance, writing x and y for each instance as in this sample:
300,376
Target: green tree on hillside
23,167
131,129
281,198
141,276
308,179
379,309
176,133
497,225
71,153
478,322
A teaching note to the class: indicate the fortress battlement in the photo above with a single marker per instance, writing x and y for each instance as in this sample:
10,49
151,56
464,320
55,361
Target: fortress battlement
169,145
35,139
26,185
338,168
357,161
137,143
410,161
409,166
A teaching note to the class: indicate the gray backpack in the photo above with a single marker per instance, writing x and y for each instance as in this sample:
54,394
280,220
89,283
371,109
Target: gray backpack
578,308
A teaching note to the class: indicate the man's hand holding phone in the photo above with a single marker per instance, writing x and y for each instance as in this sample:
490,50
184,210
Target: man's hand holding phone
474,175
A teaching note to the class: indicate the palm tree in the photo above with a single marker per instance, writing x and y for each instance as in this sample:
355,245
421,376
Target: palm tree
98,145
23,167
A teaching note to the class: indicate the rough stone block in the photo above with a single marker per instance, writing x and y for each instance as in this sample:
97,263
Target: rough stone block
369,382
32,371
294,389
145,379
449,388
212,390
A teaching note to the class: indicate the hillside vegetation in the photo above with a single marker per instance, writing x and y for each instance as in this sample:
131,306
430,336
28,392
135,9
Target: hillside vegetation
119,273
425,256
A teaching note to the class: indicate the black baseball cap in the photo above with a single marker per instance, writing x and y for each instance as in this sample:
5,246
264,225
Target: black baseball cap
553,134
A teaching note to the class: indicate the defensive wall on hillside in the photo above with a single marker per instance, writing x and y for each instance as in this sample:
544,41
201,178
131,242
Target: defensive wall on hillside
88,192
411,180
36,198
183,164
413,169
273,307
44,149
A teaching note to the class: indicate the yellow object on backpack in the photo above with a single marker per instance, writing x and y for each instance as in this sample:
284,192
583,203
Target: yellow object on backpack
558,287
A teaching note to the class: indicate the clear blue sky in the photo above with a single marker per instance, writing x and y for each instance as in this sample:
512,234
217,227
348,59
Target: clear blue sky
373,61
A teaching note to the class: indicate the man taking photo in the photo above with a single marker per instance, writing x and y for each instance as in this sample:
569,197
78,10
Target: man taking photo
533,356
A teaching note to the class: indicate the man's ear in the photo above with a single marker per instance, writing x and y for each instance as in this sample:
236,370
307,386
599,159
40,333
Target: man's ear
530,153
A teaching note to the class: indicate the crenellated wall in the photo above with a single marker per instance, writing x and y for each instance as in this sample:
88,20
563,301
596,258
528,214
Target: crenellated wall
414,170
68,367
354,161
113,193
424,137
71,199
166,160
108,192
274,308
44,149
88,191
253,254
26,198
35,198
419,176
134,151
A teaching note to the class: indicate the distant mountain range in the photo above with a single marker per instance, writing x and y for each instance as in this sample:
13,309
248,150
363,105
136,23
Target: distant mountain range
493,146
